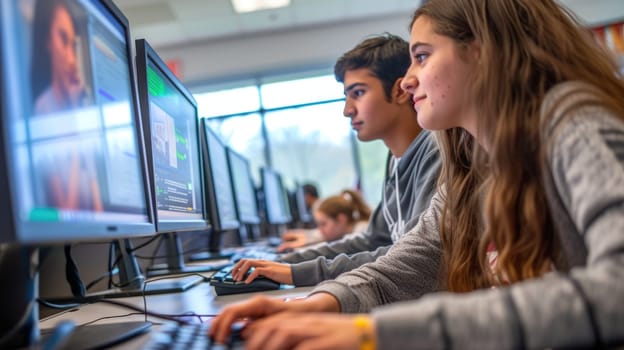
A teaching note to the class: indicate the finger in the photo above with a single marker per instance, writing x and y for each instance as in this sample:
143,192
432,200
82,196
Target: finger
288,236
288,245
270,334
317,343
240,273
237,267
221,325
252,276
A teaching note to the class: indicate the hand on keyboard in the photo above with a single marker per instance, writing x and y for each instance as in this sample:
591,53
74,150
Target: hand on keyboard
247,270
191,336
224,283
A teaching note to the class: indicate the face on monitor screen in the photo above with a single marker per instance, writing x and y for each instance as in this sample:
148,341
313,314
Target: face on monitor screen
69,120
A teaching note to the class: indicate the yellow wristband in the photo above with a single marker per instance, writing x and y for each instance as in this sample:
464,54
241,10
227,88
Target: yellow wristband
364,326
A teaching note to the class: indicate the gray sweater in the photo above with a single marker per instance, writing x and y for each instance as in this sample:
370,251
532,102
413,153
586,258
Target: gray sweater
417,172
579,304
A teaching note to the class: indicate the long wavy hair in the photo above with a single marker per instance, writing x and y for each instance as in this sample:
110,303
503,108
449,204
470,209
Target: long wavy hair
526,47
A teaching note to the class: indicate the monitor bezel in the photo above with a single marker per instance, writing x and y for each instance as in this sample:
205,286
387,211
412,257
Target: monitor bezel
211,196
305,215
247,219
286,216
35,233
144,54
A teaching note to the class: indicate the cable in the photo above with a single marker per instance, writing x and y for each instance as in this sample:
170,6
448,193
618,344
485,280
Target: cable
146,243
101,277
161,278
109,317
112,264
144,311
184,253
72,274
139,310
57,306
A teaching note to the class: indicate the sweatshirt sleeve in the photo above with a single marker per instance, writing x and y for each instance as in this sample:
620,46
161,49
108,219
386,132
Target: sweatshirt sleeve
408,270
312,272
365,241
581,308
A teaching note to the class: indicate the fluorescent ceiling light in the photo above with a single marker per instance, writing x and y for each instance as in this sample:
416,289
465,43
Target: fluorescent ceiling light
242,6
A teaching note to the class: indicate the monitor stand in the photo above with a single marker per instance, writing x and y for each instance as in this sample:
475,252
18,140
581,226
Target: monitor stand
132,282
214,249
19,324
175,260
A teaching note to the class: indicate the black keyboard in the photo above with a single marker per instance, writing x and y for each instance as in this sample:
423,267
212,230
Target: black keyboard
224,284
254,253
189,337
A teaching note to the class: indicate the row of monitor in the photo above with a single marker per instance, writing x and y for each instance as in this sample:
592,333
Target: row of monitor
86,156
96,148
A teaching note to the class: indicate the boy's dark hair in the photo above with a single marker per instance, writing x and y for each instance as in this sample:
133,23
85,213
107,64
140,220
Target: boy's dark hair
386,56
310,189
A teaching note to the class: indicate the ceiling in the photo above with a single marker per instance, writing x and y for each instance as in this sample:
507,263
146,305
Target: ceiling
167,23
180,22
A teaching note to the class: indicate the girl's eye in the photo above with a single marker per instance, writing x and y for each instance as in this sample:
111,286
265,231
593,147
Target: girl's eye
420,57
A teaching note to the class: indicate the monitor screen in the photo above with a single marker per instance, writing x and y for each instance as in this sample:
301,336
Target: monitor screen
277,209
219,193
169,114
72,166
300,205
244,191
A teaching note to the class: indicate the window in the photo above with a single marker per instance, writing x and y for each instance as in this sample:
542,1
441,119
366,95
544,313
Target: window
301,91
225,102
313,143
244,135
307,137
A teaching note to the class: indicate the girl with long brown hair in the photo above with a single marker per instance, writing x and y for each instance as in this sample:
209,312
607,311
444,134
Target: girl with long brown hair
527,227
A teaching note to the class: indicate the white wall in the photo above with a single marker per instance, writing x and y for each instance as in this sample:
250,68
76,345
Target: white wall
262,55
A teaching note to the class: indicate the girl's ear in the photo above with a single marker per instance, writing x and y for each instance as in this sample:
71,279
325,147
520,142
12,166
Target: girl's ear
342,218
474,50
399,95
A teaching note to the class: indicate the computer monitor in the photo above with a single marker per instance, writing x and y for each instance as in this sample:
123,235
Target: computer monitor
275,197
171,126
244,194
244,189
219,193
71,158
299,207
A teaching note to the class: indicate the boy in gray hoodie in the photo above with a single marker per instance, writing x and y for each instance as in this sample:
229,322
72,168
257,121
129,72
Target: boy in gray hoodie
379,110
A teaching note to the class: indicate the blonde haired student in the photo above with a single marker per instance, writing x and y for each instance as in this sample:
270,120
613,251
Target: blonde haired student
339,215
335,217
526,232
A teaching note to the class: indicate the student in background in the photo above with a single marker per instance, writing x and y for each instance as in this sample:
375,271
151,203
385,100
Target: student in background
310,195
343,214
527,226
335,217
296,238
378,109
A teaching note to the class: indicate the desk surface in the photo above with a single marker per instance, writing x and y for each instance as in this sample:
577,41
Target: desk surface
200,299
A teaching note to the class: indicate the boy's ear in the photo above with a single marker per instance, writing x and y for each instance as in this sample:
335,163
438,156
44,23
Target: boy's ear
399,95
